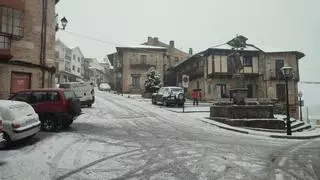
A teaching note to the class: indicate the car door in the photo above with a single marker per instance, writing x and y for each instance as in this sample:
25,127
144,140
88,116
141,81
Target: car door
159,95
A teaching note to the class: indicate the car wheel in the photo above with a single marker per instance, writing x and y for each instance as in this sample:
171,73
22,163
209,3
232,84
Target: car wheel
165,103
49,123
154,100
90,105
7,142
67,123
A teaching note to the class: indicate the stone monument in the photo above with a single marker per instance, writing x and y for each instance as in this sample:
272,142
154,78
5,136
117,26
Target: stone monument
238,113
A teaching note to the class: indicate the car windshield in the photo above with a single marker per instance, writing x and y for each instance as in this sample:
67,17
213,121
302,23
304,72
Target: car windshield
69,95
176,89
64,86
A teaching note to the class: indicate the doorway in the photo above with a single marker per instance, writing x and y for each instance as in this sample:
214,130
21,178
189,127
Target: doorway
20,81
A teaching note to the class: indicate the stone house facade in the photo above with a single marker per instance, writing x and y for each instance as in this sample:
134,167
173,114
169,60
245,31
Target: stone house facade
26,52
131,64
211,71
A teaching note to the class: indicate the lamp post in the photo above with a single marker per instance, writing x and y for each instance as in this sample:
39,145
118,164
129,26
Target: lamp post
287,73
119,75
64,23
300,104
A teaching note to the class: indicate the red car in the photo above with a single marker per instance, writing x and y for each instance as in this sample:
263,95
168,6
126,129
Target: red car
1,129
56,108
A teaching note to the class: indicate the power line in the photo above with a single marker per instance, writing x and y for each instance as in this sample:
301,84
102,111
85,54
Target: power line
309,82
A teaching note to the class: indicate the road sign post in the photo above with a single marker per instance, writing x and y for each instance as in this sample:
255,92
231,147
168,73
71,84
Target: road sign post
185,85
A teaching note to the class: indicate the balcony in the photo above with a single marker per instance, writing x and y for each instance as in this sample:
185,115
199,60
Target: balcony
280,77
230,74
141,66
67,69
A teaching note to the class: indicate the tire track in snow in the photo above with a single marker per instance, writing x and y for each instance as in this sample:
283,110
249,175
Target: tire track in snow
70,173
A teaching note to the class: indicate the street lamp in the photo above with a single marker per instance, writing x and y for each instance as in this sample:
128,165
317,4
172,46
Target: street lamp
119,75
300,104
287,73
64,23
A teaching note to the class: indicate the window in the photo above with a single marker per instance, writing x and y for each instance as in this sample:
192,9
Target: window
176,59
281,92
247,61
78,59
198,84
53,96
39,97
221,90
136,82
143,59
78,70
209,88
69,95
4,42
279,65
24,97
161,90
74,57
73,68
11,21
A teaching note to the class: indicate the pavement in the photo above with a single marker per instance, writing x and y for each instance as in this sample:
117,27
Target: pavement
122,138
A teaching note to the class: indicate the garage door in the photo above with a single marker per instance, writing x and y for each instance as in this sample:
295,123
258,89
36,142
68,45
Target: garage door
20,81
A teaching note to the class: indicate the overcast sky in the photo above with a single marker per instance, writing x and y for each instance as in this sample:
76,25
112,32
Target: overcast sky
197,24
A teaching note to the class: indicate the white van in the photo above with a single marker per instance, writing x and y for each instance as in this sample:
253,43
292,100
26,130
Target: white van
19,121
83,90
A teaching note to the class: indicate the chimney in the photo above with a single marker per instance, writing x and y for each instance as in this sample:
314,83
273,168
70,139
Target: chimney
150,40
171,43
156,41
190,52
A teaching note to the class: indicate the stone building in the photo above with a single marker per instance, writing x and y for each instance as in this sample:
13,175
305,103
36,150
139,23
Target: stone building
211,71
131,63
27,36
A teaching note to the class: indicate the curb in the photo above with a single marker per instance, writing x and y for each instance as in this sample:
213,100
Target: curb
230,129
258,134
187,111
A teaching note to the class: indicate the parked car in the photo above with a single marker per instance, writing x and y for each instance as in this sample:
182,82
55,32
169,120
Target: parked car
57,108
83,90
169,96
2,141
104,87
19,121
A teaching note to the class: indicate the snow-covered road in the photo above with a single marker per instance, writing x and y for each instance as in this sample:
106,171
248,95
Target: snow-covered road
121,138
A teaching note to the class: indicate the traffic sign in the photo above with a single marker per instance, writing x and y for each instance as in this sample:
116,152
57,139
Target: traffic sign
185,81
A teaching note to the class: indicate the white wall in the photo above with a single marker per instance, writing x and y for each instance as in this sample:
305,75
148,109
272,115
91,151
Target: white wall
76,62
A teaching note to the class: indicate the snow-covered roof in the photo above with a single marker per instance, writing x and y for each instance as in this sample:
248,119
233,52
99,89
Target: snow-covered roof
142,47
228,47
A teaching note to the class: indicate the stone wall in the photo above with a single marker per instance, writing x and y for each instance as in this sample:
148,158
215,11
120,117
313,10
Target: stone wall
242,111
256,116
28,48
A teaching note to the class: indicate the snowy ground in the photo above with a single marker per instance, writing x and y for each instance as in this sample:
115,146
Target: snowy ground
122,138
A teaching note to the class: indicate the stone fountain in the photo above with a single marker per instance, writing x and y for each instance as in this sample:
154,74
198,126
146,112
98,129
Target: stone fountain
238,112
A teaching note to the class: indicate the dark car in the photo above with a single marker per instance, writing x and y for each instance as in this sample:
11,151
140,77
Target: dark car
56,108
169,96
